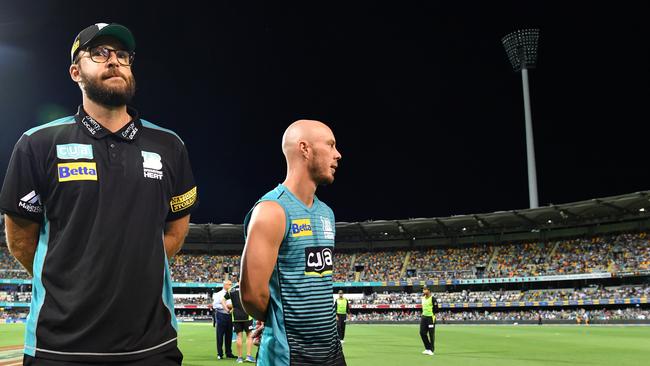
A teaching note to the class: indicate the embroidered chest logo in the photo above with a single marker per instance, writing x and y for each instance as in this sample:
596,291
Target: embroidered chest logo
319,261
152,165
328,230
74,151
77,171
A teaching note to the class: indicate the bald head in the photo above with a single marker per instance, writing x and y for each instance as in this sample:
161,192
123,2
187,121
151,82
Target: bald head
309,146
304,130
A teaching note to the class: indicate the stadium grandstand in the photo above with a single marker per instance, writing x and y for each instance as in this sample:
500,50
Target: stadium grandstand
567,263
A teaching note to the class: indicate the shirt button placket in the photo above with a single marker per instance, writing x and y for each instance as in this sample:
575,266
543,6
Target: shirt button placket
112,151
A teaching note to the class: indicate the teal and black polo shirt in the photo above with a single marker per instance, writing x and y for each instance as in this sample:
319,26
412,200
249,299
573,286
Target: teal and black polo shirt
101,289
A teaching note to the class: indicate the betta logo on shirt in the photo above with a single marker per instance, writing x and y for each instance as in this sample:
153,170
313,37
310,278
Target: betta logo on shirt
319,261
301,227
77,171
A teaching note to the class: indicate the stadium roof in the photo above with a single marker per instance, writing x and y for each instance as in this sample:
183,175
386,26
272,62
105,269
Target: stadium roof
627,207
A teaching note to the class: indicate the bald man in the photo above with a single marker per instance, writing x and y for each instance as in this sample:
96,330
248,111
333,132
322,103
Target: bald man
286,272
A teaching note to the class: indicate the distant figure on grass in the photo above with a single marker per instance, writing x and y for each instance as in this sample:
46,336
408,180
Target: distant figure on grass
428,322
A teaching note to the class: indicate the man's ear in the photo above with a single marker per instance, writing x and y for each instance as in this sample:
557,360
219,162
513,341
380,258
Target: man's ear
75,72
305,150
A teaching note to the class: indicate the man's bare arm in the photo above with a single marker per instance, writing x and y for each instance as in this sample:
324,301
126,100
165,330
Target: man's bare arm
265,234
22,239
175,232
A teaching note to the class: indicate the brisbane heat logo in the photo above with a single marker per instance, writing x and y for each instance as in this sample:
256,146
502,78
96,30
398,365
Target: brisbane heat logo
319,261
152,165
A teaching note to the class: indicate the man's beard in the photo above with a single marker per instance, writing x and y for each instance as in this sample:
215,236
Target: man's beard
318,177
109,96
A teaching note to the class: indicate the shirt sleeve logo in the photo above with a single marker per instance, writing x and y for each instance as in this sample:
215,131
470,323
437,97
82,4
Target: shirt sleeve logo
152,165
74,151
185,200
319,261
77,171
31,202
301,227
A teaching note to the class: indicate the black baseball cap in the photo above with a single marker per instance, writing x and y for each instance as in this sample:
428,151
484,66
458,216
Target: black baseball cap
120,32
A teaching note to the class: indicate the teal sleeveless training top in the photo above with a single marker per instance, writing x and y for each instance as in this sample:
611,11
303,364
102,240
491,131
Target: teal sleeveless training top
300,326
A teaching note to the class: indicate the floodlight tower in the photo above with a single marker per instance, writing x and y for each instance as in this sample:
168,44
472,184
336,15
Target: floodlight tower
521,47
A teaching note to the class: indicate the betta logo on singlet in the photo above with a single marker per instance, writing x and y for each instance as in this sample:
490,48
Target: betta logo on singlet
77,171
301,227
319,261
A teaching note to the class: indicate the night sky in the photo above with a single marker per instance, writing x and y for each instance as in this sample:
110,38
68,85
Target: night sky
426,109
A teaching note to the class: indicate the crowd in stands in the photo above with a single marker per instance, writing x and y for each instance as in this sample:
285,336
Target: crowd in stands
587,293
580,256
618,292
402,298
343,267
377,298
204,268
381,266
448,262
12,296
522,260
632,252
9,266
16,313
601,315
386,316
625,252
195,300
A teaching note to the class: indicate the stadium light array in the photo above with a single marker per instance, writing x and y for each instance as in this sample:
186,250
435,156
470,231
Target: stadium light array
521,47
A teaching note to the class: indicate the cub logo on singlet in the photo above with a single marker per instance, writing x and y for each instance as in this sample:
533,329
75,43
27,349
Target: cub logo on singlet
319,261
301,227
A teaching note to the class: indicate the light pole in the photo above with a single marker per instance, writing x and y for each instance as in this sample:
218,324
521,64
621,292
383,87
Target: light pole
521,47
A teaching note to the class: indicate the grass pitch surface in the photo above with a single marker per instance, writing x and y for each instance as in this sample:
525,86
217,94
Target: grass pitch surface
397,345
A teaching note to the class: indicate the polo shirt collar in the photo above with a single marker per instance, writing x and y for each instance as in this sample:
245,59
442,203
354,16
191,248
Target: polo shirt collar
94,129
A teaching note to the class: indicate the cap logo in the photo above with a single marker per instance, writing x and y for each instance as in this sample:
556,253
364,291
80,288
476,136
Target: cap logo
75,45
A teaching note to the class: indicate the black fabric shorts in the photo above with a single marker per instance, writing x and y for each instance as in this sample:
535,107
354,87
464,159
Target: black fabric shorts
246,326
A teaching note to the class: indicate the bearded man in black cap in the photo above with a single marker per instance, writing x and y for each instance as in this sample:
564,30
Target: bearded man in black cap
95,204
